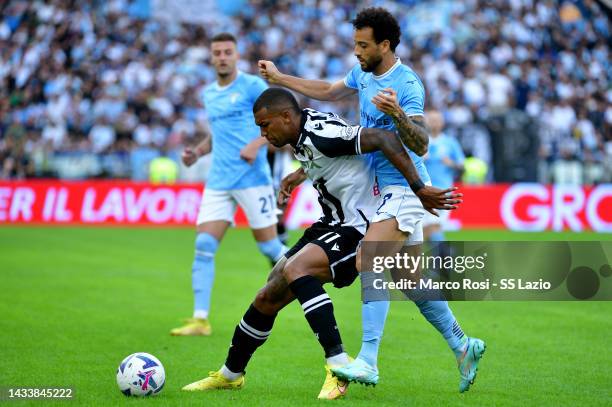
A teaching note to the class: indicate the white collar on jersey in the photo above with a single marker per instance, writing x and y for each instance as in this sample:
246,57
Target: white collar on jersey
397,63
302,137
222,88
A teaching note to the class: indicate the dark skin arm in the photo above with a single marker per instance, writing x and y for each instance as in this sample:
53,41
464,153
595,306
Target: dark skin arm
412,130
288,184
372,139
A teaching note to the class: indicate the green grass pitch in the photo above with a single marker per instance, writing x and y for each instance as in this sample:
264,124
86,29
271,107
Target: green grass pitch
75,301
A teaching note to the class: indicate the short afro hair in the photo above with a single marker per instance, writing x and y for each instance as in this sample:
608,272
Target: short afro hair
382,23
276,99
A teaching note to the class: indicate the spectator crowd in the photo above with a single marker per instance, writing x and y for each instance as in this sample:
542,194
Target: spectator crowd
99,88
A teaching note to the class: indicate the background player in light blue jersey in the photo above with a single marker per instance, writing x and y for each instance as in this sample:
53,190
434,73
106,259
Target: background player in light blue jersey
239,174
444,162
390,96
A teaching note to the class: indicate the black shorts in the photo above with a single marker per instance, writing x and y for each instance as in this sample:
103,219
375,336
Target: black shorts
340,245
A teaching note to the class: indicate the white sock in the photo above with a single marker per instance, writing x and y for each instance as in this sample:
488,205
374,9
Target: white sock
200,313
338,360
228,374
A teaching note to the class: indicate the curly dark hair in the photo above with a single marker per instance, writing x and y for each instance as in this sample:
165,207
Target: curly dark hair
382,23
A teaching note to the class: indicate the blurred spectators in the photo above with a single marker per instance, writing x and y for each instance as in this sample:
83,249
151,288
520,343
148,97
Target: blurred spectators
99,88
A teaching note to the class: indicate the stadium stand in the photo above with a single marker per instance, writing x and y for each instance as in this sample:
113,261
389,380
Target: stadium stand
95,89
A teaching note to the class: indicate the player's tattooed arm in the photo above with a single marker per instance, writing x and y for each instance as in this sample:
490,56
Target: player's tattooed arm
411,130
372,139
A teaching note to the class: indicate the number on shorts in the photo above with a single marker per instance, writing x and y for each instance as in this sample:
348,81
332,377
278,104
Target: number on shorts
329,237
385,199
264,203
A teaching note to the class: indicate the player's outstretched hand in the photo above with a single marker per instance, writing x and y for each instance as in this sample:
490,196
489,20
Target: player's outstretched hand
287,186
435,198
189,156
268,71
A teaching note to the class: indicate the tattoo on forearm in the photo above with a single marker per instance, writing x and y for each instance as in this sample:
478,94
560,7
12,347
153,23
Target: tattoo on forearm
412,132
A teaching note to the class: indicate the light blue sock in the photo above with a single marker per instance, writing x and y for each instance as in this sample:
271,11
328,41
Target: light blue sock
373,317
439,314
203,272
273,249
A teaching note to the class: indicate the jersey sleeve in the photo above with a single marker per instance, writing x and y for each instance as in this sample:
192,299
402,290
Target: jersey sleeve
336,140
350,80
412,100
257,87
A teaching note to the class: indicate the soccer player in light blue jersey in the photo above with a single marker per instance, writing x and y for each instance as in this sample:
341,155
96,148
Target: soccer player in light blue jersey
239,174
444,162
391,96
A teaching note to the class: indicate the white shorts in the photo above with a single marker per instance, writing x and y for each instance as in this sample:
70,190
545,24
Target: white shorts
440,220
416,237
258,203
402,204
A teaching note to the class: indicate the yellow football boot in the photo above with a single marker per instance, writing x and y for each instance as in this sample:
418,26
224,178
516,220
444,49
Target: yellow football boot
215,381
193,327
333,388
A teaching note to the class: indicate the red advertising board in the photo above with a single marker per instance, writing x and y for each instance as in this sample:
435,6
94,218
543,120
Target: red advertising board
527,207
536,207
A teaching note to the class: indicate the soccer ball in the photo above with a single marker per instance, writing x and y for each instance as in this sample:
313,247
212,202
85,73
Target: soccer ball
141,374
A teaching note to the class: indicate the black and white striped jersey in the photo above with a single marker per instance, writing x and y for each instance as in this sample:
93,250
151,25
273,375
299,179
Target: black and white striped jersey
329,151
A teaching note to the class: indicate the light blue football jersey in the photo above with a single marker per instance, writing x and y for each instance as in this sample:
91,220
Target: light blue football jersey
442,176
411,97
230,116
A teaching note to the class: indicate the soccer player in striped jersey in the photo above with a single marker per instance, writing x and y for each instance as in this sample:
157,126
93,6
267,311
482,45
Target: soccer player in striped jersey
330,153
392,97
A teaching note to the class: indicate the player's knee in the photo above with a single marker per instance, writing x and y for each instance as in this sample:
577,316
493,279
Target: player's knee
272,249
263,298
294,270
266,302
206,245
277,270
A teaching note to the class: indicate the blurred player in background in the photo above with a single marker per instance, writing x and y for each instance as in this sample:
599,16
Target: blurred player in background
444,163
239,174
330,152
391,96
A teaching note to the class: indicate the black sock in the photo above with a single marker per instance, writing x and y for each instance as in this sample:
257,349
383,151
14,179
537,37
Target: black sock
250,334
319,312
281,231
